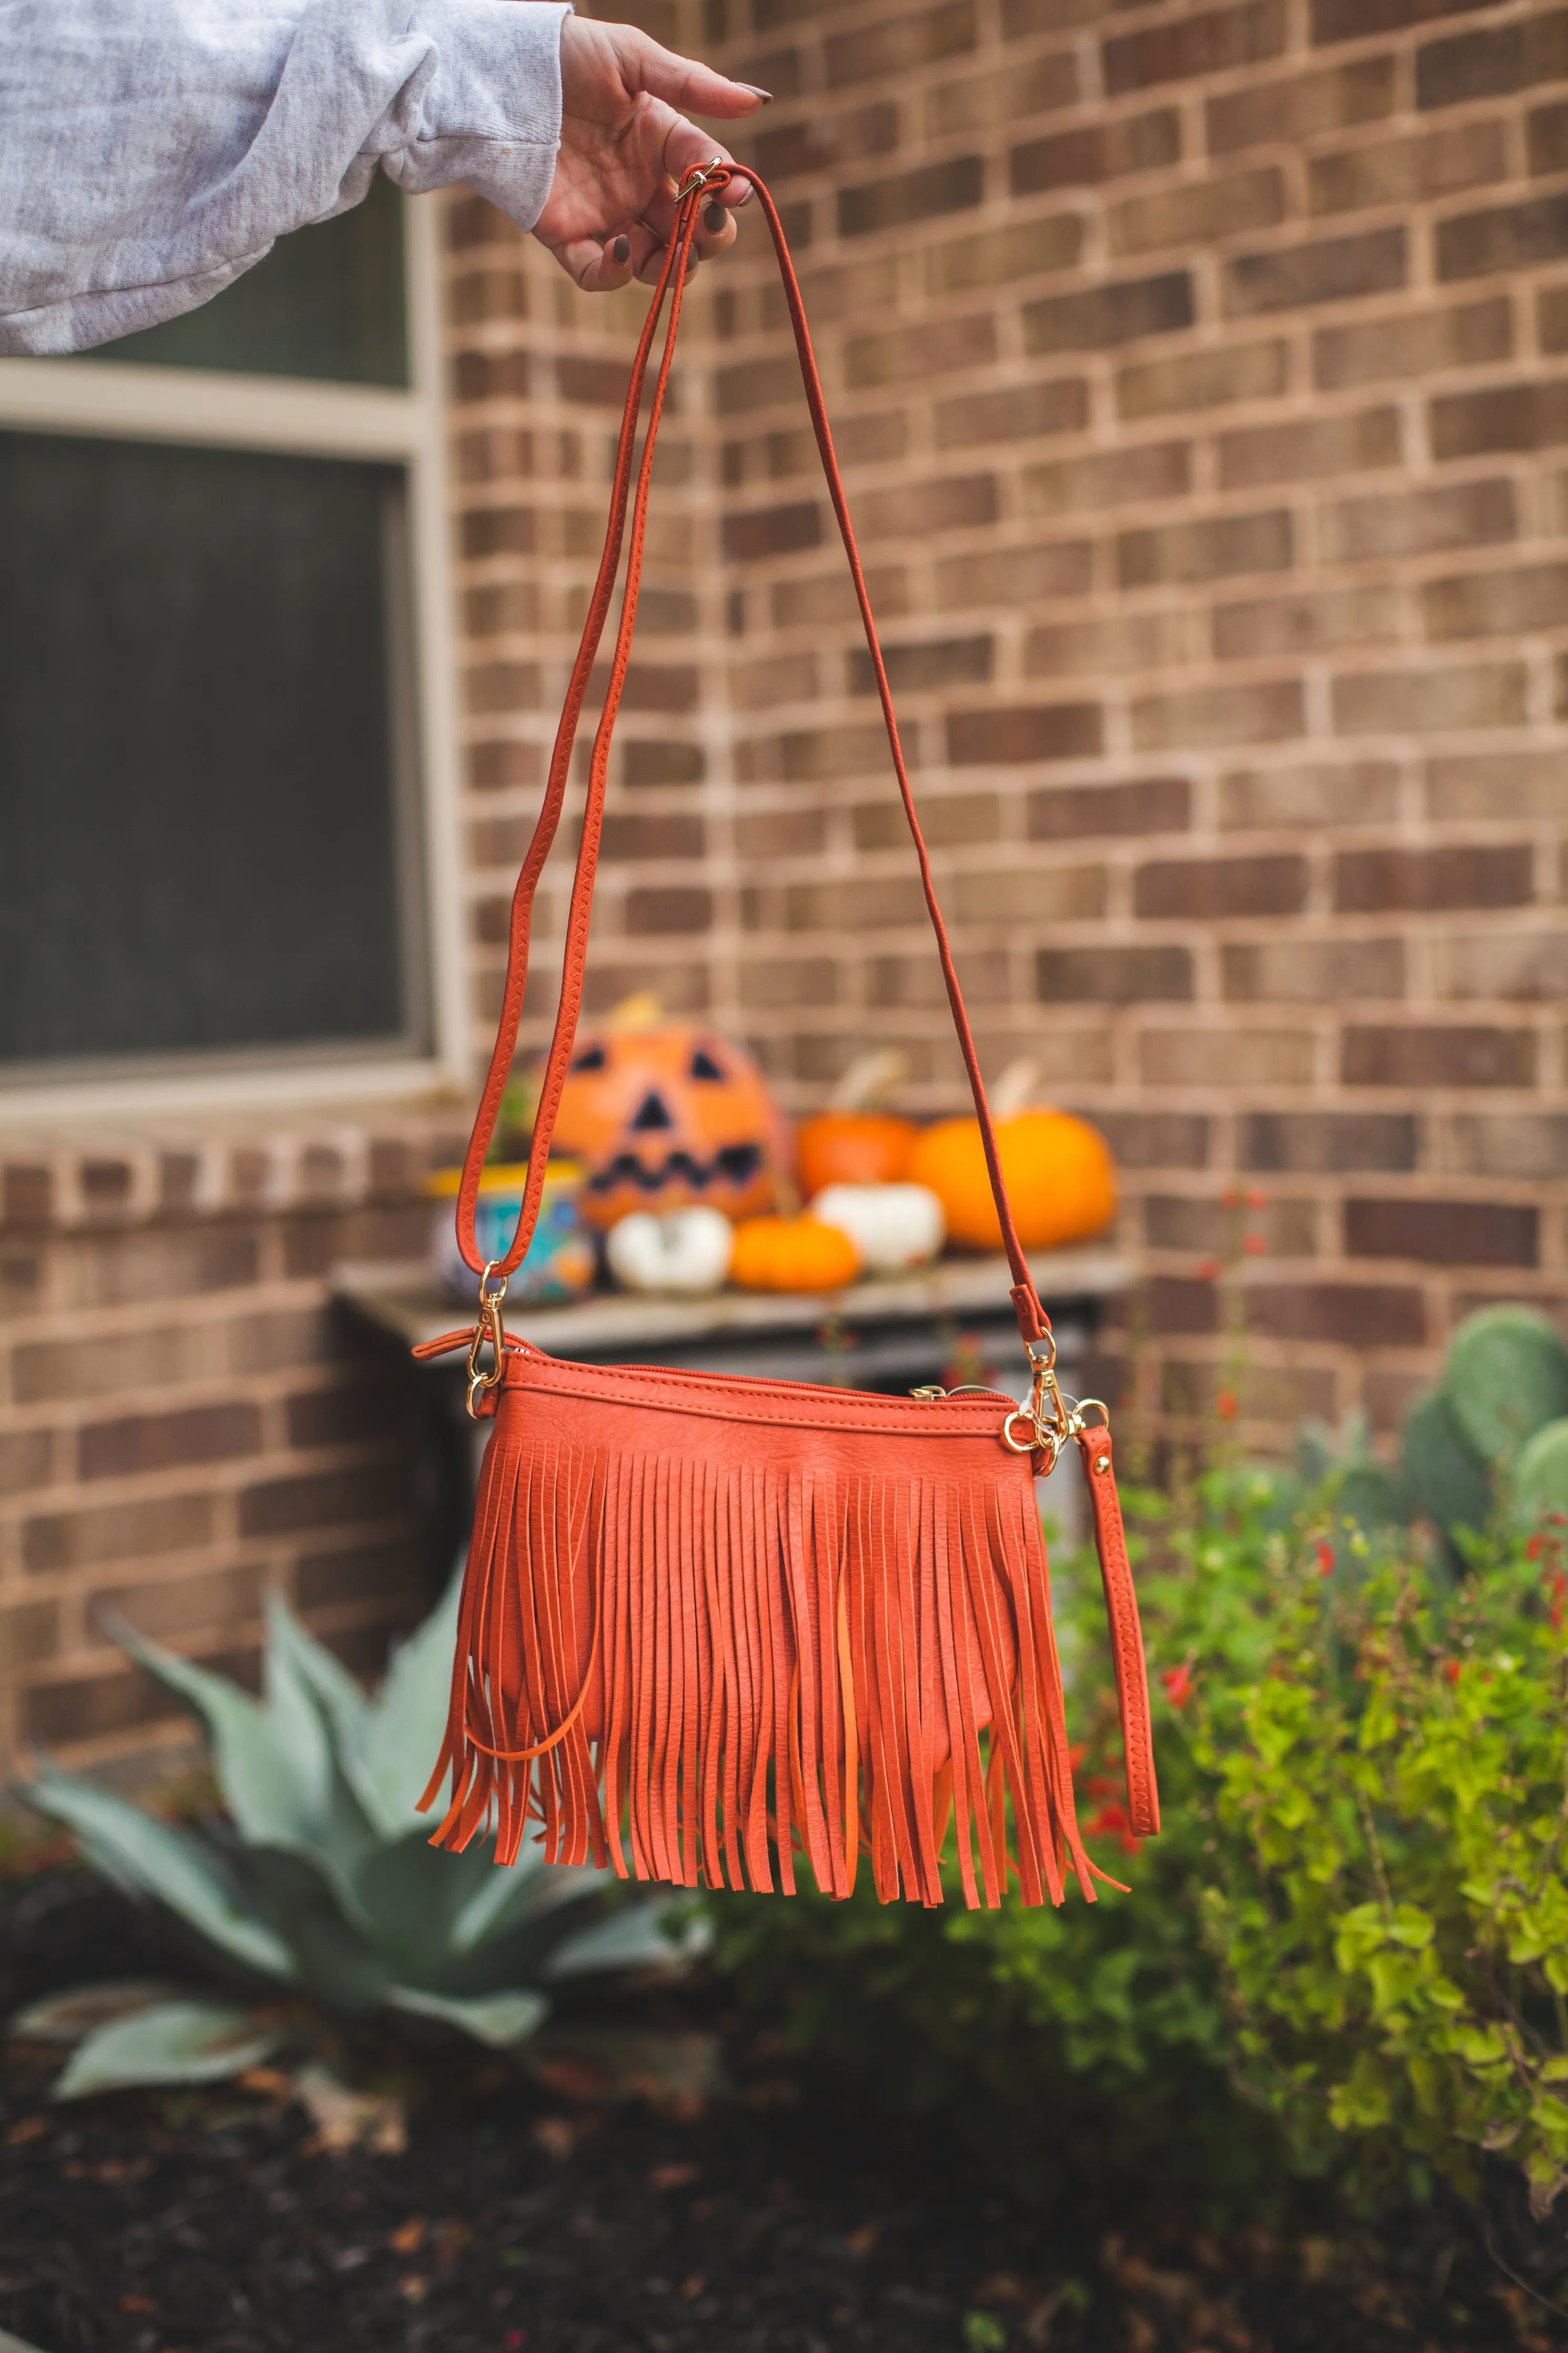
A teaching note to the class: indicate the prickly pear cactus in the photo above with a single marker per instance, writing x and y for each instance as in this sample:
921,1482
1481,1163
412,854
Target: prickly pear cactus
1541,1477
1505,1378
1447,1479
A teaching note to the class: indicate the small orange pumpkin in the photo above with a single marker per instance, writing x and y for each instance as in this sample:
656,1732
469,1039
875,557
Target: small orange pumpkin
1059,1172
668,1117
792,1254
855,1141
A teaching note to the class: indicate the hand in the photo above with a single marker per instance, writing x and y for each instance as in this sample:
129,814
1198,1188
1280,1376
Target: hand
624,149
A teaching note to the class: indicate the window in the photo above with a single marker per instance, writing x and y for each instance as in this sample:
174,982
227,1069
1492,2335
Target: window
225,738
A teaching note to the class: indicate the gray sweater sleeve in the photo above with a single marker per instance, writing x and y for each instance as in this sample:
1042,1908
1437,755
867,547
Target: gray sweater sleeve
152,150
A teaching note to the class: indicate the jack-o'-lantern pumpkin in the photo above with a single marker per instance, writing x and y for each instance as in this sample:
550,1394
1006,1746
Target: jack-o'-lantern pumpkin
663,1117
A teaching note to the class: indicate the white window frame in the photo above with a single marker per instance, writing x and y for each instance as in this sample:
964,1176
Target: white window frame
311,419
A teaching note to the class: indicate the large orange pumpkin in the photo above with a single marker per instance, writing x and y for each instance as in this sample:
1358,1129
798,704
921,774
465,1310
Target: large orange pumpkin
856,1141
792,1254
852,1147
665,1117
1059,1172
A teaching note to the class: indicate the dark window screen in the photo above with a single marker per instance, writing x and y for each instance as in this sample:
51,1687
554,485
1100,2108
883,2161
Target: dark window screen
199,804
327,302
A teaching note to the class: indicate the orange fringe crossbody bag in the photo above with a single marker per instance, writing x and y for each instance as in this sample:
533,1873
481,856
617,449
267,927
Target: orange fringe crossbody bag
709,1625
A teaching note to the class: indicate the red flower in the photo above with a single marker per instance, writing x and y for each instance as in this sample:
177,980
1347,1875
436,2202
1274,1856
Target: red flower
1254,1245
1258,1200
1535,1547
1225,1405
1178,1682
1111,1822
1207,1269
1452,1668
1075,1756
1231,1197
1325,1558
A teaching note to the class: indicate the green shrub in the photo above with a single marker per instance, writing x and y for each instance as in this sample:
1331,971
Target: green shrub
1392,1914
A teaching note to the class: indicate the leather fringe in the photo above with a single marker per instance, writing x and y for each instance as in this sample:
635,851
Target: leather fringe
692,1668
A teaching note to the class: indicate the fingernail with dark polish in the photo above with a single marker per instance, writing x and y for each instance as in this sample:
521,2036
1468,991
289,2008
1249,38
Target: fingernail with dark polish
713,218
765,95
622,249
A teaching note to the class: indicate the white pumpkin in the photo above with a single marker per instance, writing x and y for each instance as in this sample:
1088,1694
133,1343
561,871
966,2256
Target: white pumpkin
893,1226
685,1249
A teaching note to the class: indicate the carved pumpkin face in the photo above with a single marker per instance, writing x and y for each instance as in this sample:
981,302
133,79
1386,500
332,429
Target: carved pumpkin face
663,1118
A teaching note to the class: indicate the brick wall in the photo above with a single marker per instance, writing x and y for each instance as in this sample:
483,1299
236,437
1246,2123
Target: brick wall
1201,377
185,1424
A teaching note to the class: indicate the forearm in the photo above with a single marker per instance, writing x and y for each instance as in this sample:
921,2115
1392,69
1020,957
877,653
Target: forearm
152,150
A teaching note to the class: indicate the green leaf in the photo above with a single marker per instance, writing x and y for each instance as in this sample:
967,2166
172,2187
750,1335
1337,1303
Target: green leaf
148,1857
172,2042
1505,1377
271,1760
1541,1477
67,2017
394,1751
634,1937
339,1697
514,1894
499,2019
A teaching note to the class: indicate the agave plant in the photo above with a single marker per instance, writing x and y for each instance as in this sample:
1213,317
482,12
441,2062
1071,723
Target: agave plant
319,1886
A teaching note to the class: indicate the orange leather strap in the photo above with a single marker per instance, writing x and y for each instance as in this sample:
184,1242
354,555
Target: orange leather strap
1126,1633
626,501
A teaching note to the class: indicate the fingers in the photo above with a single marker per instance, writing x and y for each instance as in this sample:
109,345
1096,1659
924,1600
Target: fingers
596,268
687,148
683,82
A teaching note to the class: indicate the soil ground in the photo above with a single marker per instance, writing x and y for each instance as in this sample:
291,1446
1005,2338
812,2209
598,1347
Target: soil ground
520,2220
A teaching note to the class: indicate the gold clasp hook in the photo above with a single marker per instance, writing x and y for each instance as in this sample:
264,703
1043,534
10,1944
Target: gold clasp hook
700,176
489,1328
1050,1419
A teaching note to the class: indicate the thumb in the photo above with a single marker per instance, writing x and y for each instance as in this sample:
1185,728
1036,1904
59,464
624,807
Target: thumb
683,82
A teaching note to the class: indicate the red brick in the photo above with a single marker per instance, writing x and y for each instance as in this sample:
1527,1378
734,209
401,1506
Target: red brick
780,981
482,376
1424,700
1427,1056
1343,1315
346,1414
27,1459
1207,889
1412,522
1516,1145
1318,1142
1078,812
663,762
1217,547
1547,137
1309,449
1551,318
1300,106
1406,171
90,1707
1158,1139
1100,150
1023,412
851,907
325,1499
1004,252
1335,270
680,911
1522,784
771,531
158,1442
1412,344
980,103
898,354
1208,42
923,194
1113,975
1262,712
1207,210
168,1263
1356,20
1010,576
1311,972
1509,237
1027,733
26,1194
1502,416
1265,626
1021,894
1443,1233
1116,642
1159,469
1497,604
174,1605
382,1573
1473,875
825,142
1102,316
1179,1305
948,820
958,502
916,669
1493,61
69,1540
635,835
898,45
1319,794
1206,379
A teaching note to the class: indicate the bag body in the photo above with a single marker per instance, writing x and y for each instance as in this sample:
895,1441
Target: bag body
708,1623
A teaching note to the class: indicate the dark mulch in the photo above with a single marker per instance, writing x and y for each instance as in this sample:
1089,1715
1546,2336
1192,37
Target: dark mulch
519,2223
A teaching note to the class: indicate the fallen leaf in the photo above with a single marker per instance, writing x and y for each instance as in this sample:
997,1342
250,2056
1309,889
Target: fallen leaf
27,2129
693,2285
412,2288
137,2303
557,2135
672,2176
345,2119
408,2236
